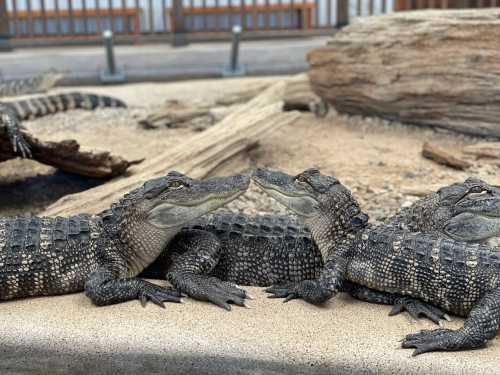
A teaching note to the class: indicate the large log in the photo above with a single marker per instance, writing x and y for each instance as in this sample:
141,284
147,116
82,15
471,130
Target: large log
198,156
433,68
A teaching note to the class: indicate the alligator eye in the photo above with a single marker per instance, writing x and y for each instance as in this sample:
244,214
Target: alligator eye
301,179
477,189
174,185
359,220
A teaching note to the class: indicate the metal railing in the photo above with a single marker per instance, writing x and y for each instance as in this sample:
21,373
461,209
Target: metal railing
402,5
134,19
73,20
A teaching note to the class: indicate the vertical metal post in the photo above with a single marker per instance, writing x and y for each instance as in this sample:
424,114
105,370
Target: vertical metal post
234,68
178,27
110,56
4,28
235,47
342,13
111,74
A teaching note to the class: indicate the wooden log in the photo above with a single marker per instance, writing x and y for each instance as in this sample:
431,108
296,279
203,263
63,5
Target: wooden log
177,115
432,68
67,156
299,96
198,156
482,150
443,157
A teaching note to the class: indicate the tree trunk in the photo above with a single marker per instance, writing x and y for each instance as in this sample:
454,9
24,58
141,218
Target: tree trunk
431,68
198,156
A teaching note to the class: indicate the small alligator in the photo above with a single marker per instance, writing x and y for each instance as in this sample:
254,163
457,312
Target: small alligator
31,85
12,113
468,211
224,248
102,254
461,278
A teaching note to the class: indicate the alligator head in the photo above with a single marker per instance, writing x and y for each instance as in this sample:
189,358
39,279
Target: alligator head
322,202
148,217
469,211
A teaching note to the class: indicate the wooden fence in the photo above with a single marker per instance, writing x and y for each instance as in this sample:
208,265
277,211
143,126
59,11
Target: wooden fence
402,5
76,20
86,19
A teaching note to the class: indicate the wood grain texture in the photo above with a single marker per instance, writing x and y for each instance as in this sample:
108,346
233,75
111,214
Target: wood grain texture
431,68
198,156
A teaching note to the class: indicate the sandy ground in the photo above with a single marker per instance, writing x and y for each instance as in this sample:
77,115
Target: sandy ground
380,161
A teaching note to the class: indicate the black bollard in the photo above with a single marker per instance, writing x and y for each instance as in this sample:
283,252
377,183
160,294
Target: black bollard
111,74
234,68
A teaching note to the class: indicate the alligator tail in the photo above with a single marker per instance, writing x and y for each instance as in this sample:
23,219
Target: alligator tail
45,105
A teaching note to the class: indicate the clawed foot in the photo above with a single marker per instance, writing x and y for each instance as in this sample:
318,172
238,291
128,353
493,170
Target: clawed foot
157,294
211,289
308,290
418,309
20,146
433,340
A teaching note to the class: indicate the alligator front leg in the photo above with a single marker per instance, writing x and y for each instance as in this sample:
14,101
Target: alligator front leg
195,254
481,326
104,288
10,122
316,291
416,308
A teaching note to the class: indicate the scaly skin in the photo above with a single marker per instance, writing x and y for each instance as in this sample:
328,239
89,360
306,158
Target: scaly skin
468,211
460,278
103,254
280,249
32,85
210,256
12,113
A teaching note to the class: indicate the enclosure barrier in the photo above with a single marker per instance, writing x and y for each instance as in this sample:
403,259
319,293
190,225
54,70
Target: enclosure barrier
73,21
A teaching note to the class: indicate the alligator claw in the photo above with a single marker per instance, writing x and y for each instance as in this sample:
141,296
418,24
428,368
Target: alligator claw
308,290
157,294
285,290
418,309
432,340
211,289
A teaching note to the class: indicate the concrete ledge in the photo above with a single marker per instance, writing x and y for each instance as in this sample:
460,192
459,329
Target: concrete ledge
68,334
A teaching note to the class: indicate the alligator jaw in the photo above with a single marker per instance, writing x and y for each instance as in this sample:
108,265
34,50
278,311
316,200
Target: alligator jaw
280,187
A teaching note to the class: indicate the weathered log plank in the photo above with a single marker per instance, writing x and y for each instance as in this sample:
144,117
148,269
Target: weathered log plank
67,156
484,150
432,68
299,96
198,156
443,157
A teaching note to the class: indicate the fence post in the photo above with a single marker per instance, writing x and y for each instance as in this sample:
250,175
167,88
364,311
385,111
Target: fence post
342,13
4,27
178,24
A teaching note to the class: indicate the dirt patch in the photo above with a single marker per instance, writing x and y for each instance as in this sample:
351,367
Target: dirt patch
380,161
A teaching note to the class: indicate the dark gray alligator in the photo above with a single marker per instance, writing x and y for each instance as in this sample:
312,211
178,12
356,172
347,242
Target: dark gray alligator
211,257
12,113
39,83
224,248
468,211
103,254
461,278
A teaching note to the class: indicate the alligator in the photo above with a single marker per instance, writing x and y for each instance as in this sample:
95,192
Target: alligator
209,260
39,83
12,113
103,254
461,278
468,211
220,249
